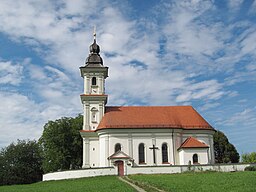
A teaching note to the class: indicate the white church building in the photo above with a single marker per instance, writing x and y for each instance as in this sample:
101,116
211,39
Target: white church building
138,136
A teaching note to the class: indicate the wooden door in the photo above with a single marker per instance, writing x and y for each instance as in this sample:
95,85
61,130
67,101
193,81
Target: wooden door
120,166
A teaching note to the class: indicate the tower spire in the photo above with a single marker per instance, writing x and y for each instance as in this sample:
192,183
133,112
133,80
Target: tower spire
94,48
94,55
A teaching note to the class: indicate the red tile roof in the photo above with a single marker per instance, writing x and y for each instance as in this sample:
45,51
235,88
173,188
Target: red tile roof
185,117
192,142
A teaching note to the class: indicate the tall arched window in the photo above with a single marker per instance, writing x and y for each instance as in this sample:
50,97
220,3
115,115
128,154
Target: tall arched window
117,147
164,153
94,82
195,159
141,153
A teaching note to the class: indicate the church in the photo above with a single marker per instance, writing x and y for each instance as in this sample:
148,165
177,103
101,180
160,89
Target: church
138,136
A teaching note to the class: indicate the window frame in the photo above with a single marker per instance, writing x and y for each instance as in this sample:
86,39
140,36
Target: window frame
119,147
165,153
141,153
94,81
94,115
195,156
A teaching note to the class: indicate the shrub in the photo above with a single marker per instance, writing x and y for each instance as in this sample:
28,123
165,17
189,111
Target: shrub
250,168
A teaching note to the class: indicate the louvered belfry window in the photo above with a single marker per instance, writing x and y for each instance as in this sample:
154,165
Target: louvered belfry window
94,82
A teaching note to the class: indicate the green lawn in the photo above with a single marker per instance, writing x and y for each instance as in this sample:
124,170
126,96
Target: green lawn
92,184
203,182
192,182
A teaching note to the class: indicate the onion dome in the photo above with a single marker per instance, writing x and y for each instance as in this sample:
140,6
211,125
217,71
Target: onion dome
94,59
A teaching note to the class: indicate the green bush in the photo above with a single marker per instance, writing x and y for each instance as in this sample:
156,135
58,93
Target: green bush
20,163
250,168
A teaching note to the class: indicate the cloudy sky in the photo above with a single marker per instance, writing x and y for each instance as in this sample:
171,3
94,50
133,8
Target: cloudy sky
199,52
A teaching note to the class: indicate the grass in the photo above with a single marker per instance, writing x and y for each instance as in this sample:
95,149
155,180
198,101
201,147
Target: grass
92,184
203,182
192,182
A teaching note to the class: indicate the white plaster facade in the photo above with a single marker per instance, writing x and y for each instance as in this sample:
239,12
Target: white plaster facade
186,156
103,146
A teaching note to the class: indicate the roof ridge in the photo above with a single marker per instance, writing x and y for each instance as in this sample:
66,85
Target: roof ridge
154,106
186,141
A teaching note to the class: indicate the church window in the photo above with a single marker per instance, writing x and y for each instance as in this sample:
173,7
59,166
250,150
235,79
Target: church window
195,159
141,153
117,147
164,153
94,115
94,81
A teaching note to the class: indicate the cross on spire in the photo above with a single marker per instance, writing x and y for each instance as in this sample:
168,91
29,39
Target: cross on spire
94,32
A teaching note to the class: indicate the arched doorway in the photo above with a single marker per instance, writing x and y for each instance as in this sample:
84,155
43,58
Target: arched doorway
120,167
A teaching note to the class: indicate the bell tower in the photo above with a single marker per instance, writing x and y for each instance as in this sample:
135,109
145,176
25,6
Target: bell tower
93,98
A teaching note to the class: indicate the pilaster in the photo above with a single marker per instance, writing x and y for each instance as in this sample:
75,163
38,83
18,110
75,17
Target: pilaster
86,120
86,153
101,110
107,163
130,141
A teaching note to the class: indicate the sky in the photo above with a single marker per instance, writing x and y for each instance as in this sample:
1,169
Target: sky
187,52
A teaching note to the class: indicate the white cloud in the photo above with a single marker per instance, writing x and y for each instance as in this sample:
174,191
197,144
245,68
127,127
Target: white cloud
18,120
208,106
253,7
235,5
247,75
10,73
248,44
206,90
56,73
193,38
37,72
23,118
57,26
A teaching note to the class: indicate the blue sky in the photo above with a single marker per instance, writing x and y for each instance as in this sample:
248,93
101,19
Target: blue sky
200,53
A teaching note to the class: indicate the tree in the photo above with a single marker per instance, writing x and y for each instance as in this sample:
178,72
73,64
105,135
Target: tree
62,144
249,157
20,163
224,151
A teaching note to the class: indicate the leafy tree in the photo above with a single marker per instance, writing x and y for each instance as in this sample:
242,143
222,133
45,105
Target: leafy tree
224,151
20,163
62,144
249,157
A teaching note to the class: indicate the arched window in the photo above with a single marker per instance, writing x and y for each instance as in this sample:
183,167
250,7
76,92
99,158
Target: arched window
164,153
117,147
94,82
195,159
94,115
141,153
